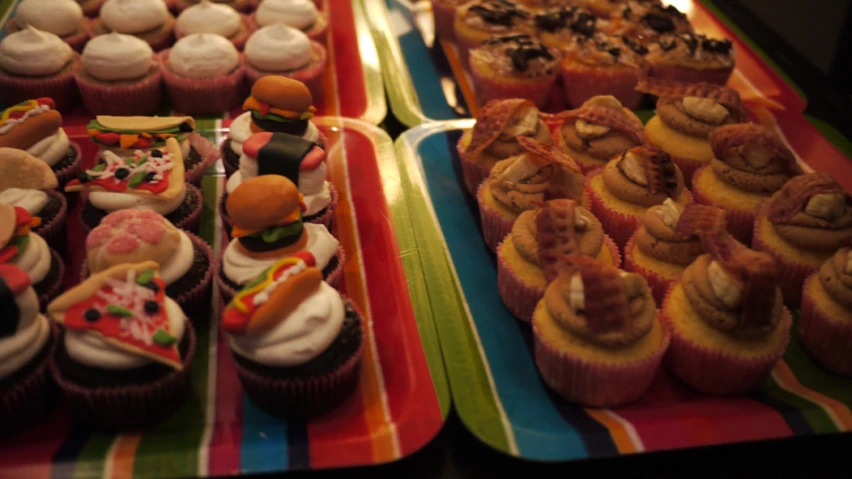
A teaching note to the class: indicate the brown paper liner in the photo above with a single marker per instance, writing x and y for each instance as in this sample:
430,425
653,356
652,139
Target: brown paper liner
31,398
826,339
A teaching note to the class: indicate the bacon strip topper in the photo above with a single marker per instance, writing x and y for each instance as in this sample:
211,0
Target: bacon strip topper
701,220
727,97
738,135
796,193
605,299
556,235
493,118
613,118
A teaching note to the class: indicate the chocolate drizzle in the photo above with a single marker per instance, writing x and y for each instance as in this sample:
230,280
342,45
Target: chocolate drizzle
498,12
693,41
522,50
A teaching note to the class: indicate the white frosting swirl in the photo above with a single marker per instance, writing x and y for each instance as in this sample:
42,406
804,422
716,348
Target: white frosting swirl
203,55
35,259
61,17
180,261
108,201
134,16
115,56
32,52
90,349
301,14
51,149
278,48
209,17
33,332
301,336
241,269
31,200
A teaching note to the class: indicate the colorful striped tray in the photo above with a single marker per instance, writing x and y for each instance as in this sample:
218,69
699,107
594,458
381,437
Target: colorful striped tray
403,397
425,80
353,81
488,353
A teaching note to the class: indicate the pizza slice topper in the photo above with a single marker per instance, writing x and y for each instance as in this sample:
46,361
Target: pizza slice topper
15,226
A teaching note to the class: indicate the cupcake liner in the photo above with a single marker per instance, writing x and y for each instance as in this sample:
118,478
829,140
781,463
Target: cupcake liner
312,75
464,45
658,283
827,340
718,372
689,75
596,384
740,223
202,96
445,15
239,40
225,152
495,227
791,273
60,87
30,399
688,167
69,173
53,290
122,99
583,83
474,175
208,152
119,408
76,41
54,231
488,88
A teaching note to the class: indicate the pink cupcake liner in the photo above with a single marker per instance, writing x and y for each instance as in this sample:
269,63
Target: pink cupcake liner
56,287
740,223
688,75
827,340
658,283
444,17
29,400
494,226
239,40
595,384
208,152
791,274
69,173
61,88
54,231
312,75
76,41
129,407
122,99
202,96
580,85
488,89
716,372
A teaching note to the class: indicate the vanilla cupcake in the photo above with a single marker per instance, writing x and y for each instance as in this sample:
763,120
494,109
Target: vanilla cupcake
300,14
37,64
286,51
148,20
218,18
63,18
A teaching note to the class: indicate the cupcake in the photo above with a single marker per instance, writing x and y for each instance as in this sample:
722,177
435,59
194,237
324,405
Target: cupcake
482,19
529,257
120,76
686,114
299,14
91,8
518,183
218,18
238,5
444,12
132,236
691,58
35,126
494,137
26,340
124,135
148,20
63,18
152,180
286,51
515,66
825,321
598,335
267,215
750,163
605,8
647,21
668,241
802,226
36,64
295,342
728,322
20,247
299,160
557,27
29,183
124,357
598,131
603,65
203,73
278,105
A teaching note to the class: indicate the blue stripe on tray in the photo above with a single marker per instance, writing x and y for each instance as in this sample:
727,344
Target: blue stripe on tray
264,445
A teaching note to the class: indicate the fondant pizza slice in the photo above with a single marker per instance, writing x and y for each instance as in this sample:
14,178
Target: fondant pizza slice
15,225
155,173
126,306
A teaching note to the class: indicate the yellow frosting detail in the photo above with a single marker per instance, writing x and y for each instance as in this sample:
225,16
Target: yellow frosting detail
676,143
29,105
670,271
270,276
533,274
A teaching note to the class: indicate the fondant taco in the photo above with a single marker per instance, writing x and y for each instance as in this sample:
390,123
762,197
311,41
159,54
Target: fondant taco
138,132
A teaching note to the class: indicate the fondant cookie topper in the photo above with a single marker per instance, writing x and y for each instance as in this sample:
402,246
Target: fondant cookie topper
19,169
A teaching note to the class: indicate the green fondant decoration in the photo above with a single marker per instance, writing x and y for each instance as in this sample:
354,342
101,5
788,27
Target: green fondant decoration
119,311
137,180
163,338
145,277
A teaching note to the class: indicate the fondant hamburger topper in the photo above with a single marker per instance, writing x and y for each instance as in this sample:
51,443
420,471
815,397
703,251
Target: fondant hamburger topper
283,154
279,104
28,122
15,225
131,236
126,306
13,283
158,174
19,169
138,132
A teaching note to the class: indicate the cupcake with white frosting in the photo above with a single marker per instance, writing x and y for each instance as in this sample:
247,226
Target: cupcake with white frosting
295,342
120,76
148,20
63,18
218,18
203,73
238,5
299,14
34,64
286,51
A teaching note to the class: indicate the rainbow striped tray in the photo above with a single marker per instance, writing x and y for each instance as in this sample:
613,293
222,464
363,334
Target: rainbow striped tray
353,81
488,353
426,81
403,396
